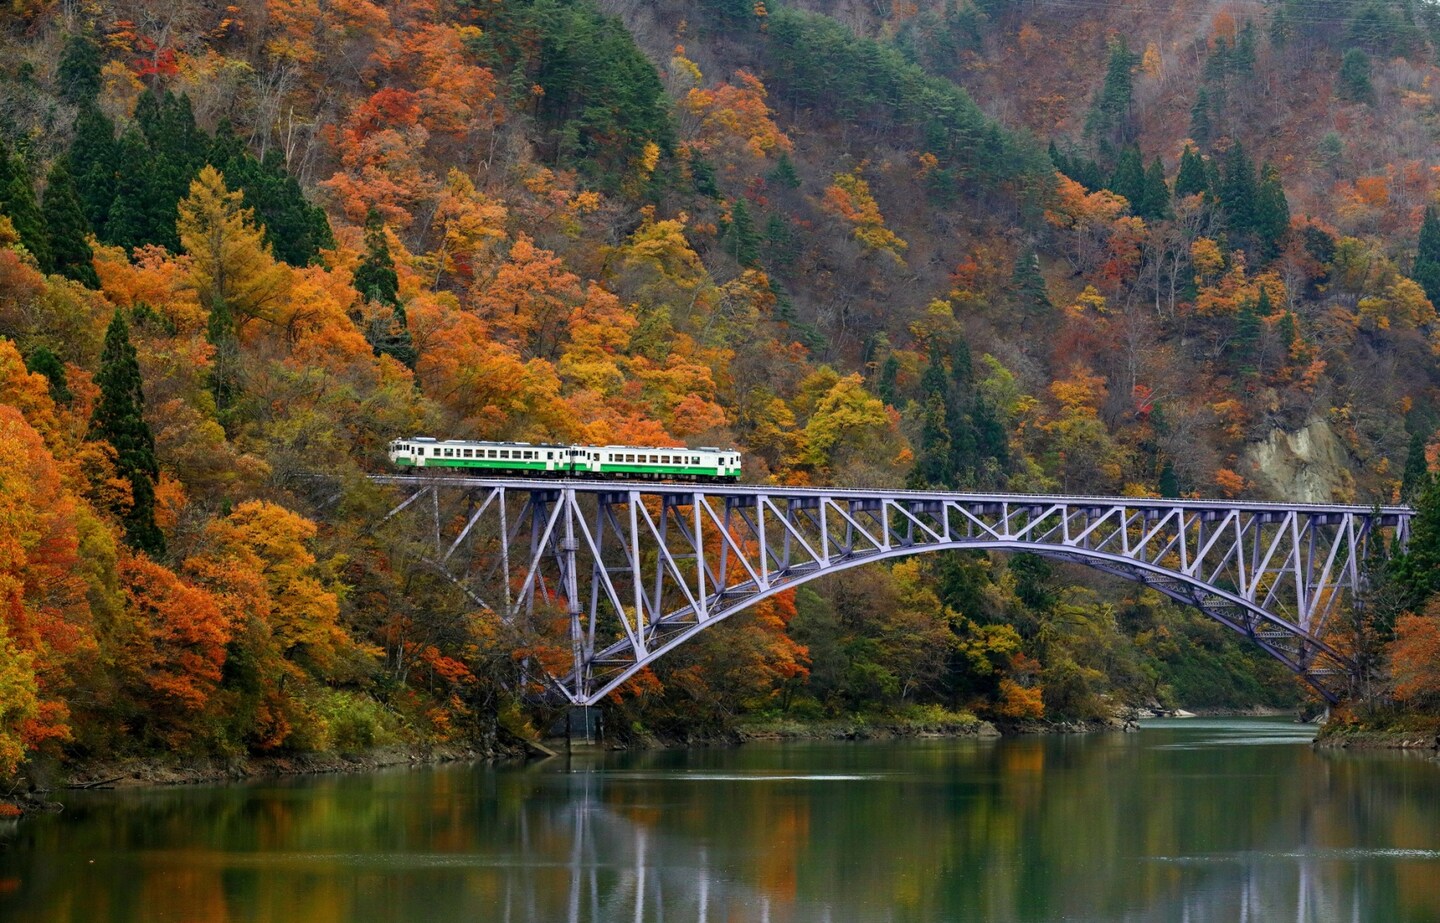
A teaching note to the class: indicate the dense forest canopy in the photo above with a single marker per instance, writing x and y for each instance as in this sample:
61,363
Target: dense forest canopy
1001,244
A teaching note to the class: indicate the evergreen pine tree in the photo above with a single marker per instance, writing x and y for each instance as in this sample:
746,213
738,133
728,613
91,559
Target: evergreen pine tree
1201,128
1426,270
94,164
780,242
741,241
1217,63
375,278
224,378
138,215
1272,212
17,202
44,362
887,385
1192,179
932,461
1169,484
1242,59
1029,285
1238,191
119,419
1417,571
1247,336
1417,468
1110,117
77,79
1353,81
1154,202
66,227
1288,333
1128,180
784,174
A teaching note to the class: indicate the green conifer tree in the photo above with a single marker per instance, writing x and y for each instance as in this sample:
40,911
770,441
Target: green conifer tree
376,280
1417,468
1426,270
77,79
1128,179
1110,116
740,239
94,162
1417,571
784,175
1353,81
1169,483
44,362
1272,212
1029,285
1201,127
296,230
1238,191
1242,59
1154,202
119,419
66,228
17,202
887,385
1192,178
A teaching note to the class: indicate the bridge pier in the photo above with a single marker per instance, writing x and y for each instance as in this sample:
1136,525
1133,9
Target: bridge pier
584,727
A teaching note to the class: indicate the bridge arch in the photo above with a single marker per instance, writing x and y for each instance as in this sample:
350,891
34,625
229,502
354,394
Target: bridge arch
1301,660
642,568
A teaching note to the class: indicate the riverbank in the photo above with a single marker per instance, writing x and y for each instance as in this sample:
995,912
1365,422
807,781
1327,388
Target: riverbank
47,783
1380,731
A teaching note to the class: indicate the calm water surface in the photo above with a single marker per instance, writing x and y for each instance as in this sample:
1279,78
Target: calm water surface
1185,821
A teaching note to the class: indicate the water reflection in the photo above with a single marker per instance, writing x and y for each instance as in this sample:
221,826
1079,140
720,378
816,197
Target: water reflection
1192,821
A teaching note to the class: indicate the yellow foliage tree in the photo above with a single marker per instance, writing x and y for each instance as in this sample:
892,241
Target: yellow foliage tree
231,267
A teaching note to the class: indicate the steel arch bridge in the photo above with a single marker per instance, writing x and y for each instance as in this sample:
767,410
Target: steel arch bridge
639,568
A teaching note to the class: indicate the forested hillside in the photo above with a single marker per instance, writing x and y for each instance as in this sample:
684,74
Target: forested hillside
1179,249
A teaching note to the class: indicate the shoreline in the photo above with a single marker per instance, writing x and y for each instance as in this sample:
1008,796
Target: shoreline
142,772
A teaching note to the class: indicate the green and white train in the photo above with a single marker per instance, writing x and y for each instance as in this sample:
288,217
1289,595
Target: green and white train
565,461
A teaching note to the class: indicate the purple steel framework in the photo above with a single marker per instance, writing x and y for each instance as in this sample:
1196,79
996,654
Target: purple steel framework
640,568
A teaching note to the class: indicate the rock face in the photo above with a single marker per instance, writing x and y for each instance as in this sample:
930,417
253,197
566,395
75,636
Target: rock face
1310,465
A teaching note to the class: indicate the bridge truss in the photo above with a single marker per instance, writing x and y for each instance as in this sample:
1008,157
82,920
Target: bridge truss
636,569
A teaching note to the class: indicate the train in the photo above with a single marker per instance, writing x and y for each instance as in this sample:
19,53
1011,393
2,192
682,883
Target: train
554,460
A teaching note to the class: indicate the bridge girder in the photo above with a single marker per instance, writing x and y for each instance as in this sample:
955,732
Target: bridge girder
637,569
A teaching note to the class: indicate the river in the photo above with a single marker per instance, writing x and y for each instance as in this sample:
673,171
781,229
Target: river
1187,821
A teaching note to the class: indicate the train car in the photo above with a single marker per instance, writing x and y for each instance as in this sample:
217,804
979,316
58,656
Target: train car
656,463
482,457
582,461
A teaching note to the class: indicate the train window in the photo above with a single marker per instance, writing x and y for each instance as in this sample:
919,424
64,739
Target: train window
504,453
420,451
654,459
469,453
529,454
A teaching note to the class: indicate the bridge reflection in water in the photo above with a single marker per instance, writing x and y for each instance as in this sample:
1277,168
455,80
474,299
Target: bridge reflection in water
639,569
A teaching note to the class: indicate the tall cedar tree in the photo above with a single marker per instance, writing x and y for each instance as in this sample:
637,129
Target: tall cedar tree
1238,191
119,419
1154,202
1272,213
78,76
1417,467
1353,81
42,361
741,240
1029,285
1417,571
1110,117
94,163
66,227
1426,270
376,280
1128,180
1201,128
17,202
